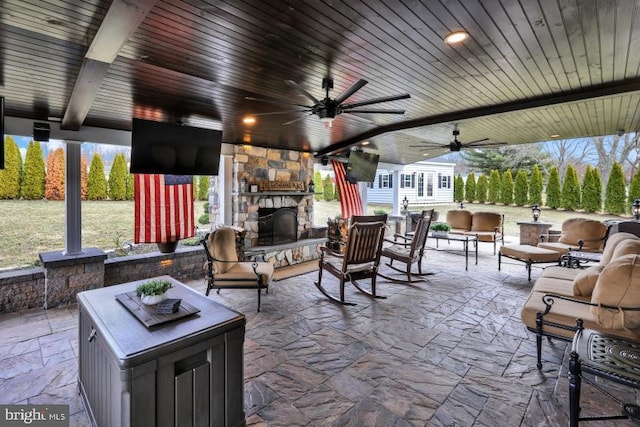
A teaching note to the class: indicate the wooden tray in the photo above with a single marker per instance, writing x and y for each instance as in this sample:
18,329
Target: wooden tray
147,313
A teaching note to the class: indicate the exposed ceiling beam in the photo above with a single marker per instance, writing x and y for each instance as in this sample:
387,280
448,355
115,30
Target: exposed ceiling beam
611,89
121,20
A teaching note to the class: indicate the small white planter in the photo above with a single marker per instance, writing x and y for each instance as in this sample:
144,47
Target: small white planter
153,299
439,233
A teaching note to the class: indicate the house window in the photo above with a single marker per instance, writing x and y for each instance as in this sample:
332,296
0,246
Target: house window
444,181
429,185
385,181
407,181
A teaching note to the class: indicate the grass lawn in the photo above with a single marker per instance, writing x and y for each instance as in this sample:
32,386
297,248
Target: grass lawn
33,226
29,227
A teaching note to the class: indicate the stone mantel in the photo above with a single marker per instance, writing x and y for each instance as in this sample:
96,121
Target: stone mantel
273,193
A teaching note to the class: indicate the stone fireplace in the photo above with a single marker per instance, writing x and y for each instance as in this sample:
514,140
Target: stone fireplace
255,165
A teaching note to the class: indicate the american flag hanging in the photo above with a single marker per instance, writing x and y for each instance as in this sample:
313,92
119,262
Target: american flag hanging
163,208
350,201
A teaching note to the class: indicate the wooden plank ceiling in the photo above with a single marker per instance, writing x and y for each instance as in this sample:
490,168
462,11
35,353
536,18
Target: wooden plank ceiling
529,70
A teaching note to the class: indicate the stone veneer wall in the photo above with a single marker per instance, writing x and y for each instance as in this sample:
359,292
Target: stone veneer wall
257,164
21,289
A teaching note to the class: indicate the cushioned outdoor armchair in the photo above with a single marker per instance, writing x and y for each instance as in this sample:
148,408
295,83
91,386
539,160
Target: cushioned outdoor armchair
226,271
579,234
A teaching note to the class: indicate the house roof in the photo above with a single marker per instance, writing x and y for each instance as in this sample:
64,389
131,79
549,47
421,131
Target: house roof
528,70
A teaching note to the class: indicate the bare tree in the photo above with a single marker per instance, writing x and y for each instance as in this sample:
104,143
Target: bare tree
567,152
616,148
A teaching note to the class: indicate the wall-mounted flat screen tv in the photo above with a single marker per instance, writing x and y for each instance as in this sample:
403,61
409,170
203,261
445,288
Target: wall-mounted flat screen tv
361,167
1,132
172,149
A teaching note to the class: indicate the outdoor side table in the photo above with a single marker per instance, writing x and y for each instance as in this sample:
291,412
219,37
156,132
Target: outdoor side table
573,259
605,356
530,231
187,371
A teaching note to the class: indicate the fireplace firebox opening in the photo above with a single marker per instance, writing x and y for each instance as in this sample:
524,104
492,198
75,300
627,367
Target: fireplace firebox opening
277,226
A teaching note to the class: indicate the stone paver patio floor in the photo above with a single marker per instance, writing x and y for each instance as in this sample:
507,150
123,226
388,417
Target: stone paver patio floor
450,351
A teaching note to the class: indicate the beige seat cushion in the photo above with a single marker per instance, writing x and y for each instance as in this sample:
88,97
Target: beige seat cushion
586,279
618,286
244,270
561,248
528,252
559,272
222,246
459,219
611,244
590,231
486,221
626,247
554,286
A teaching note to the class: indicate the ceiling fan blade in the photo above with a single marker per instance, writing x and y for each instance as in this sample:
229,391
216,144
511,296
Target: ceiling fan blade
470,143
375,111
294,120
279,112
349,91
491,144
430,145
274,101
377,100
302,90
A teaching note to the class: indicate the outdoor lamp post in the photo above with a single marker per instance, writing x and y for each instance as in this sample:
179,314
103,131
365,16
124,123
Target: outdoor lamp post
405,204
535,210
635,209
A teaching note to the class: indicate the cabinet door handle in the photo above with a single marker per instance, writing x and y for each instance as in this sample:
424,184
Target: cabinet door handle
92,335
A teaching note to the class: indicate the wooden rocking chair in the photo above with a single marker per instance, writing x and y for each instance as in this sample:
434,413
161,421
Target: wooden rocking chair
360,260
409,250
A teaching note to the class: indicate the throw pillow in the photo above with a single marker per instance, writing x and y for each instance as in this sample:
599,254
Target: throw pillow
612,243
585,281
618,287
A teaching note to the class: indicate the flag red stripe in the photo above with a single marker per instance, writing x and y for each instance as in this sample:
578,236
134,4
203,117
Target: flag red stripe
163,212
350,201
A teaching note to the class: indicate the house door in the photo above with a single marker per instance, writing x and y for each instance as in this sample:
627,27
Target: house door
425,186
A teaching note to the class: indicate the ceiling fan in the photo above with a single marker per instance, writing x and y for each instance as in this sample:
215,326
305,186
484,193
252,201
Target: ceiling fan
327,109
456,145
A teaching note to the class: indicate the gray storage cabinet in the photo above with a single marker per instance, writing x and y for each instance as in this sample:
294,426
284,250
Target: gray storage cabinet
187,372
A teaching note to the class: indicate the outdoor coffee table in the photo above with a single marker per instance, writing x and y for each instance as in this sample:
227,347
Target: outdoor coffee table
464,238
606,356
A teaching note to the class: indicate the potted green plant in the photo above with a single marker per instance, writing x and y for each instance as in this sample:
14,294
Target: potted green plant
440,229
153,292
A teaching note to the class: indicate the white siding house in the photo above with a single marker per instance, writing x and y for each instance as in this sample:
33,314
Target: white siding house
422,183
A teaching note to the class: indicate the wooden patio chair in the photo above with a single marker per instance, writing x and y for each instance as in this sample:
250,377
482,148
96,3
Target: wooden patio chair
360,260
409,249
226,271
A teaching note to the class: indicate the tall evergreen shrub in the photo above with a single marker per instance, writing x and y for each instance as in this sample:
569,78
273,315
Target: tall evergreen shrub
327,189
54,183
130,185
591,198
615,201
96,181
118,178
470,188
535,186
318,186
481,188
203,187
458,188
12,172
495,184
521,190
554,195
34,175
506,189
83,178
571,190
634,189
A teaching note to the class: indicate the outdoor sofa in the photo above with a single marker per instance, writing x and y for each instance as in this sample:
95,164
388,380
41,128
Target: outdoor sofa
486,226
604,297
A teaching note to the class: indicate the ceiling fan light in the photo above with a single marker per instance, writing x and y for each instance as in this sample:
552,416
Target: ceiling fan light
456,37
328,121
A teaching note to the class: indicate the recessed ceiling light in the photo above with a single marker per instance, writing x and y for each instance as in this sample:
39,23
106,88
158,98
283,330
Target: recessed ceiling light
555,135
456,37
249,120
365,143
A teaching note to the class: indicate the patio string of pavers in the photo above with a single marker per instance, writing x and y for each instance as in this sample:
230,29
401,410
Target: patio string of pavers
450,351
